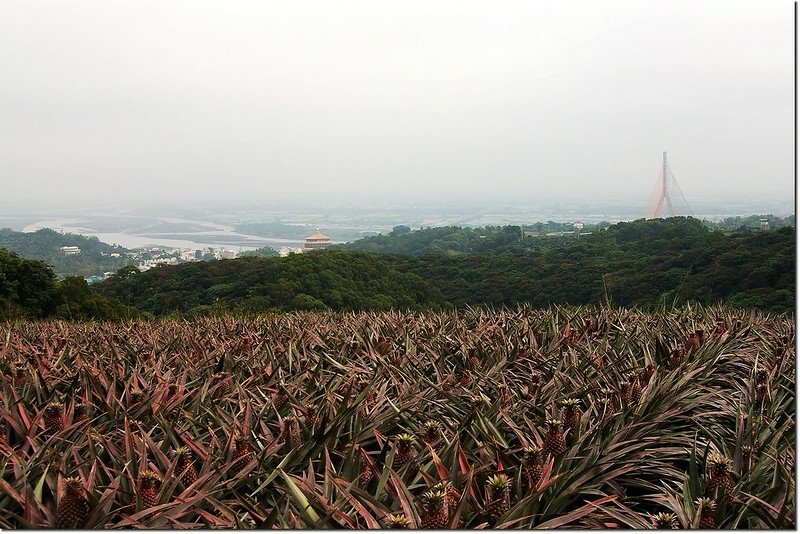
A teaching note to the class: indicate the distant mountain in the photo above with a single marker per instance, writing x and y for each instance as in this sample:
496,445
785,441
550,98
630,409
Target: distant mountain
91,256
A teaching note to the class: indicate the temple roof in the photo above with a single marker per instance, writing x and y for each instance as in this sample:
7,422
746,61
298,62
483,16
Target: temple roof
316,235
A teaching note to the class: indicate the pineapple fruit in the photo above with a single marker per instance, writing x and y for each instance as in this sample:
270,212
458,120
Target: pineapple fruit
397,522
571,417
54,417
498,495
553,442
80,413
532,467
184,466
241,453
136,396
404,447
606,404
148,489
665,521
224,389
636,389
73,506
293,426
708,511
431,431
435,513
720,481
280,397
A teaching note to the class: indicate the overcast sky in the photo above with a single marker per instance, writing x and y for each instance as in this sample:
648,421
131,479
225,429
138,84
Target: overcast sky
187,101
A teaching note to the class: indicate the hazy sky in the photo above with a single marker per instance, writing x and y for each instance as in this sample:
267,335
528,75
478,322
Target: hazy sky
123,100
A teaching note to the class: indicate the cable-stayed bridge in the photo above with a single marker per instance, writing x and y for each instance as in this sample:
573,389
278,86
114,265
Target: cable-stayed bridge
667,199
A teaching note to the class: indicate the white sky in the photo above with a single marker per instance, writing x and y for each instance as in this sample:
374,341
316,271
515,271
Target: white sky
122,101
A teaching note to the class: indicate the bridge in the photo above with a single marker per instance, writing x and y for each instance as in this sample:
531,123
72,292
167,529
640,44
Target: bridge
667,199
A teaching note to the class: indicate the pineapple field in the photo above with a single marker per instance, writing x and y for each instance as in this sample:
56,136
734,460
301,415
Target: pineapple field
579,417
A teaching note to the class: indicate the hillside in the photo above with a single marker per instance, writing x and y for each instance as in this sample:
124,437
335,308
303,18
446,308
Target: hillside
461,240
45,244
642,263
29,289
330,280
500,239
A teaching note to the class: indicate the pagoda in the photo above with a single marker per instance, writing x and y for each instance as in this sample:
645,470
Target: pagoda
316,241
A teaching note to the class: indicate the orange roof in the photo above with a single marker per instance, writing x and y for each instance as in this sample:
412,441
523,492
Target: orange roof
316,235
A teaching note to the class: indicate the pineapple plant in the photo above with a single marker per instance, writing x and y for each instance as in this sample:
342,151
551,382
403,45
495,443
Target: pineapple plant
747,455
241,453
665,521
53,417
498,495
720,481
434,514
452,496
692,343
761,394
280,397
136,396
571,416
675,359
431,430
293,426
397,522
148,489
80,413
553,443
532,467
404,450
73,506
184,466
634,389
606,410
707,509
180,351
224,388
534,381
761,376
647,374
625,395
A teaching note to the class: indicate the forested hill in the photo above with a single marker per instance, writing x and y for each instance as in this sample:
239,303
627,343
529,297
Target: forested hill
45,244
29,289
641,263
460,240
502,239
323,280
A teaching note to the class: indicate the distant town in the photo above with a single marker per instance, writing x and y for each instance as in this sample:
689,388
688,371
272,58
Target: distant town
147,258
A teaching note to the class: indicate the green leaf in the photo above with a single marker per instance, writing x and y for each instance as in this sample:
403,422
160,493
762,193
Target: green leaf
300,498
37,492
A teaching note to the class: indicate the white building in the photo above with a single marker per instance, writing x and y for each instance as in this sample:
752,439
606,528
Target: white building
70,251
285,251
